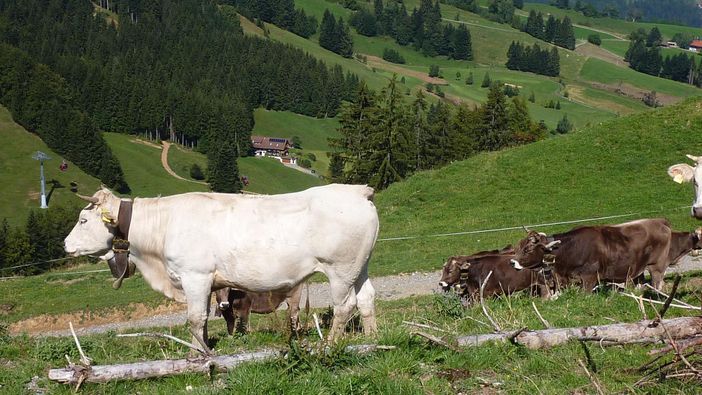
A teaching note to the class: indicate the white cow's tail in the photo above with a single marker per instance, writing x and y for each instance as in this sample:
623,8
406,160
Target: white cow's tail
368,192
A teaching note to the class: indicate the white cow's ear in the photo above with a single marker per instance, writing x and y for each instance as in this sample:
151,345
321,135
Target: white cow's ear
696,159
681,172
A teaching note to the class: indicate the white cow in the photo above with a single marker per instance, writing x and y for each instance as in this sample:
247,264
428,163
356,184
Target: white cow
188,245
685,173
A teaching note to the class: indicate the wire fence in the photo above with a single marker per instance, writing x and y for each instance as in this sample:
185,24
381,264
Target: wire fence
399,238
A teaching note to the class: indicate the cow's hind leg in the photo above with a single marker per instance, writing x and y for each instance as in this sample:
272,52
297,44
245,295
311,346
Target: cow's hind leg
197,294
365,296
344,299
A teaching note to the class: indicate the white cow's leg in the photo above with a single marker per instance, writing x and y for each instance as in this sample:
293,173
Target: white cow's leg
197,293
344,299
365,295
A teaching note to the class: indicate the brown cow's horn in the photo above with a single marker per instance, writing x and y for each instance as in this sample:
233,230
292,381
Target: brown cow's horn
525,228
91,199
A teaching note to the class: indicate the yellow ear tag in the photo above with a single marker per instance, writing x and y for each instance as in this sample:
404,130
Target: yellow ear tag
106,217
678,178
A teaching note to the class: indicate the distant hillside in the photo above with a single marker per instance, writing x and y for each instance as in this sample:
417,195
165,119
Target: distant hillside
19,173
617,167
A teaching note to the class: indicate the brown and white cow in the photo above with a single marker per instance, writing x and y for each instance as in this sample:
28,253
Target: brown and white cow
235,306
617,253
467,273
683,172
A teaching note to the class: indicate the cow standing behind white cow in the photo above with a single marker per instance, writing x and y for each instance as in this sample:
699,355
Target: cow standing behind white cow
188,245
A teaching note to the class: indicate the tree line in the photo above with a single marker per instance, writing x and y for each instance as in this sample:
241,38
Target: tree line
39,240
281,13
644,55
540,61
557,31
384,139
335,35
422,28
170,67
683,12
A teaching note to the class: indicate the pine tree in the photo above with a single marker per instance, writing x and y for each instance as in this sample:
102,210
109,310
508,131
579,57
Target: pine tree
4,230
564,125
345,42
469,79
519,120
17,251
328,31
532,97
518,4
462,46
654,38
223,171
336,167
565,35
486,81
550,29
495,121
421,131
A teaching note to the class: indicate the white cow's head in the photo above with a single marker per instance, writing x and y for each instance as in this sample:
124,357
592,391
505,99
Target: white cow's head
685,173
94,231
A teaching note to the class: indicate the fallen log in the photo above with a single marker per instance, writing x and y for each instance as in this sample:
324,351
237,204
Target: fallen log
623,333
74,374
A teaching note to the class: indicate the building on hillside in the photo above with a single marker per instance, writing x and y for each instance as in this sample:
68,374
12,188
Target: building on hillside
270,146
696,45
670,44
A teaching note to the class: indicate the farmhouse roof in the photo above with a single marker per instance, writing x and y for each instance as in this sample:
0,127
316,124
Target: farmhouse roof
696,44
270,143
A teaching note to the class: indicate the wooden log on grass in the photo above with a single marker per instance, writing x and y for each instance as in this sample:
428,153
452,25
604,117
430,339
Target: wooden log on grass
75,374
621,333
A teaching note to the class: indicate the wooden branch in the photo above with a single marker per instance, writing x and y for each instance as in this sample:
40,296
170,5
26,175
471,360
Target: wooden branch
688,307
83,358
482,304
514,335
165,336
435,339
543,321
316,324
661,313
622,333
665,295
593,380
152,369
425,326
682,345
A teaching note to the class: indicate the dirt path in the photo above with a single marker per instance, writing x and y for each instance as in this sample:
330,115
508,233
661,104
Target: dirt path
591,50
164,162
171,314
379,63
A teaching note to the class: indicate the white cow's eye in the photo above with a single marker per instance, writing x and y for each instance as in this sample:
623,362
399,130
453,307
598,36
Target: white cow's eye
83,220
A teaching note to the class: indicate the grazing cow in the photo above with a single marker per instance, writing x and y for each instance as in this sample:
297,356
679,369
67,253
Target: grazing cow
617,253
685,173
188,245
682,243
451,271
235,306
473,270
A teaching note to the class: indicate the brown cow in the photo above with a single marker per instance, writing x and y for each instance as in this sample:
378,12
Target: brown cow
451,271
235,306
682,243
473,270
617,253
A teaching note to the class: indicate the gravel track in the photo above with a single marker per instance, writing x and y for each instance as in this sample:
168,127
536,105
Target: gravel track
387,288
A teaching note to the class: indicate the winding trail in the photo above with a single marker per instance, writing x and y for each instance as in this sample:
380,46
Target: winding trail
164,162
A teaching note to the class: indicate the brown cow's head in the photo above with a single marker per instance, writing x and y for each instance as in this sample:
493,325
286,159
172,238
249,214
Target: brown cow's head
697,238
530,251
222,297
451,274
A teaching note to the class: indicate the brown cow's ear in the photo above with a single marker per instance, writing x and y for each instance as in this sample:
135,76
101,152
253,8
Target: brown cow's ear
681,172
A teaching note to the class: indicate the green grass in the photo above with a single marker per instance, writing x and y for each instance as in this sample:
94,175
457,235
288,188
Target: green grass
313,132
266,175
616,167
19,173
143,170
414,367
600,71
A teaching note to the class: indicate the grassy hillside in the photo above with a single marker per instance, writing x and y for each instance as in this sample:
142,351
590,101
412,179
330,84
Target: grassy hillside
19,173
617,167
